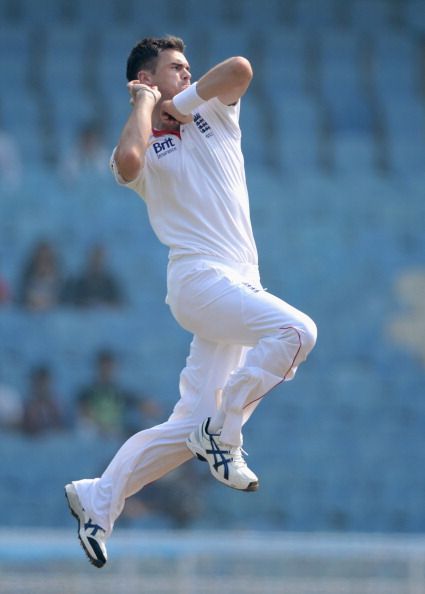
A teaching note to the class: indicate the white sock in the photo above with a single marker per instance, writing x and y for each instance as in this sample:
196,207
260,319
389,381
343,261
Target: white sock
216,422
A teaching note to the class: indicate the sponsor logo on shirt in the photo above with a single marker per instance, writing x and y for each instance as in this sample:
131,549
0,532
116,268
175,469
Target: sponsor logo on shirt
202,125
164,147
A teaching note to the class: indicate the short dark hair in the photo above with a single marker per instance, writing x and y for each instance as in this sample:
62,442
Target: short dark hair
40,372
105,356
145,54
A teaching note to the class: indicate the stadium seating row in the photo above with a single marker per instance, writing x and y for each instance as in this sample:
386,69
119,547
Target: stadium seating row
330,110
365,15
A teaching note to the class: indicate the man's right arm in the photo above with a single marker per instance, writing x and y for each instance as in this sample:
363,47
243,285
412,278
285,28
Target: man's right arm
133,143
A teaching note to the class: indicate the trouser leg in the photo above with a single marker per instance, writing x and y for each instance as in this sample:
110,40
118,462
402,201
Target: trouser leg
143,458
228,310
152,453
274,359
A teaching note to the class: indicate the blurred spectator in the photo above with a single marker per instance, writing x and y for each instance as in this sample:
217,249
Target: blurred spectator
89,155
175,500
41,409
11,408
5,295
96,285
10,162
41,282
106,407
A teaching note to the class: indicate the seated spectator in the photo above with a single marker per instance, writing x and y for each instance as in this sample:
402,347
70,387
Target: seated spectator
89,155
41,409
106,407
5,296
11,408
41,282
175,501
97,285
10,162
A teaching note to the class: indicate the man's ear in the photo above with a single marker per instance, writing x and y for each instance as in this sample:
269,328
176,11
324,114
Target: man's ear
145,77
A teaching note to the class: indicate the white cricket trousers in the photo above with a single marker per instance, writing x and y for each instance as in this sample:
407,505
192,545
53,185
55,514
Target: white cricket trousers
246,341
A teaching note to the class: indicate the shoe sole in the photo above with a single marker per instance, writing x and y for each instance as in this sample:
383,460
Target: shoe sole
253,486
77,511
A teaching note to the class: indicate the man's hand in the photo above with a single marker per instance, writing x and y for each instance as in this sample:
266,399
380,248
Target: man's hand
170,115
136,88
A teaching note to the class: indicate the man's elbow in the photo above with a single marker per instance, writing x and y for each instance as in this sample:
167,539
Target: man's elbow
241,70
129,163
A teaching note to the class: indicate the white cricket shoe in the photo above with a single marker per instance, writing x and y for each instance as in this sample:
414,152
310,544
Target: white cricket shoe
226,462
92,536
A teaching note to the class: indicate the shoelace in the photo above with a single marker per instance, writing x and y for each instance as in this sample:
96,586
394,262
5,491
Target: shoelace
237,454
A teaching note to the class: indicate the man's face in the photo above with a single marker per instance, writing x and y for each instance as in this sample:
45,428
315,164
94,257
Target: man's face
172,73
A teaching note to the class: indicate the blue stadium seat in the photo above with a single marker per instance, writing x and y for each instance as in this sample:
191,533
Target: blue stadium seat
371,16
404,117
65,63
20,116
69,43
116,101
254,137
297,124
288,79
354,152
315,15
114,48
348,105
68,120
297,115
407,156
300,154
339,48
198,15
396,47
95,14
396,67
287,76
14,44
405,124
158,15
397,81
260,17
14,68
230,42
117,109
55,460
415,15
45,13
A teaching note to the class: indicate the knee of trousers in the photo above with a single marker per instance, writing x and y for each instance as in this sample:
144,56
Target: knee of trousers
281,352
308,334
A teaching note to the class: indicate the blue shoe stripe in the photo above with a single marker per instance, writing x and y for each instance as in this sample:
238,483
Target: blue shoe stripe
219,457
95,527
97,550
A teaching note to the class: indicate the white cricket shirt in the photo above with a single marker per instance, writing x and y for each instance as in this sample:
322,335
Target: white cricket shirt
194,187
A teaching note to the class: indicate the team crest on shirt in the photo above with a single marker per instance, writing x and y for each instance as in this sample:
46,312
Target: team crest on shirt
202,125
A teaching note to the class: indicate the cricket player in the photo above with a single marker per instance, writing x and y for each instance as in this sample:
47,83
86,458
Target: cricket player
180,150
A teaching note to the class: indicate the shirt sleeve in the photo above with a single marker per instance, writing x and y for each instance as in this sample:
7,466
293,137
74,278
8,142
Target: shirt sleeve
135,184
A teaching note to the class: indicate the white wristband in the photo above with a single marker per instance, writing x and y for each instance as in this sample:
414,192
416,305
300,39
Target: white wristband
188,100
